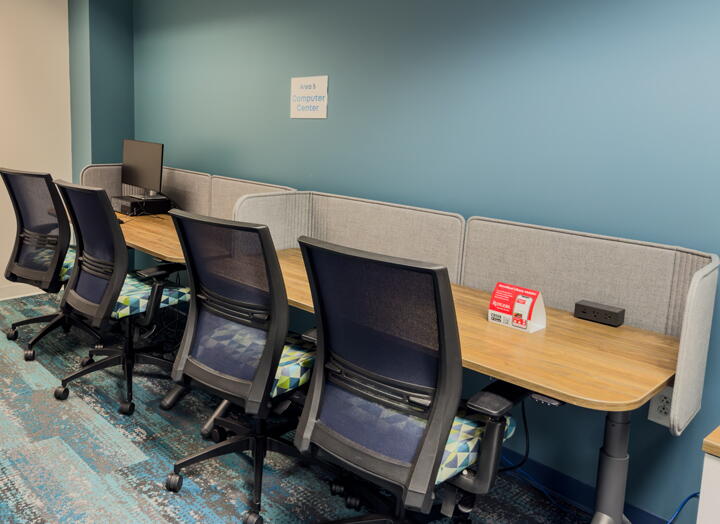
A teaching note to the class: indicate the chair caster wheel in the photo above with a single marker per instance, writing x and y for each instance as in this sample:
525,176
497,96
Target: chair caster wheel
11,334
218,434
126,408
87,361
61,393
251,517
352,502
29,355
173,482
337,489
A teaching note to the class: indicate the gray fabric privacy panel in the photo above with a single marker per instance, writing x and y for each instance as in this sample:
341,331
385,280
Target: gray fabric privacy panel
389,229
225,191
687,263
568,266
694,342
286,214
104,176
188,189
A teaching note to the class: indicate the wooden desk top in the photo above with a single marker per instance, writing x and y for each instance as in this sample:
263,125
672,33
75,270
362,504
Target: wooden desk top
579,362
152,234
711,444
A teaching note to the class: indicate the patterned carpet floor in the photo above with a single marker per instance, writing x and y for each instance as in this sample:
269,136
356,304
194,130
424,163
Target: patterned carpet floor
81,461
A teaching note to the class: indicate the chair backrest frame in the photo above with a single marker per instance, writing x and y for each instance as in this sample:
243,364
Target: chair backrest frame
417,489
253,395
99,314
49,279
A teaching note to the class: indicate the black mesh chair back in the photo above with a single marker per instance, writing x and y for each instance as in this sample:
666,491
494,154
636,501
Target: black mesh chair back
43,230
102,260
238,315
387,375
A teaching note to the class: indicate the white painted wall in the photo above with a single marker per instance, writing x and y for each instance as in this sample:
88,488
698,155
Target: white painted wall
34,103
709,511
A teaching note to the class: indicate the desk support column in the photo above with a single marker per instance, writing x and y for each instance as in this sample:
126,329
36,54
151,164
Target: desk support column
612,470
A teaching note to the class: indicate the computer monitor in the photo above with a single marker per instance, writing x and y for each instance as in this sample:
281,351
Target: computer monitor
142,164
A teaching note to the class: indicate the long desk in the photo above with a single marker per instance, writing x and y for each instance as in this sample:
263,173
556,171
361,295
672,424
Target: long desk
152,234
616,370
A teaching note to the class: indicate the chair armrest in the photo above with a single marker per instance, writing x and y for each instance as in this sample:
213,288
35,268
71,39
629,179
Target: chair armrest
497,399
160,272
310,336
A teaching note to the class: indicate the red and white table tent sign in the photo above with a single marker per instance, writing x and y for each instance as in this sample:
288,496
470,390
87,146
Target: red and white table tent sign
517,307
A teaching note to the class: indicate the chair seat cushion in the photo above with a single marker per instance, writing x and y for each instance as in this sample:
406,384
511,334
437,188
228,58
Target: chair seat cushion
135,293
463,444
295,367
68,263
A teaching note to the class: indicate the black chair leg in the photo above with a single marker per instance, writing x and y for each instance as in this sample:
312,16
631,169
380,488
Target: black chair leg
90,331
210,424
278,445
57,321
163,364
33,320
236,444
111,352
259,451
61,393
128,358
174,396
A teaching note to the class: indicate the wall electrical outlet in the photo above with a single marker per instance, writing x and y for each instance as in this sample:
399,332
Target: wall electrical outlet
659,411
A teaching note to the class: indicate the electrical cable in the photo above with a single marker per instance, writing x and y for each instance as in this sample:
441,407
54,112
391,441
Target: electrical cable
682,506
524,459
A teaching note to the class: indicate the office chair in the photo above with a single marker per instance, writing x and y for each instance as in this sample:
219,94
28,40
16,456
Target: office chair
383,400
235,340
101,294
41,255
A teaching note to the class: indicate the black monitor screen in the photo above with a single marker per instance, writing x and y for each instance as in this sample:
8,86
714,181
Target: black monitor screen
142,164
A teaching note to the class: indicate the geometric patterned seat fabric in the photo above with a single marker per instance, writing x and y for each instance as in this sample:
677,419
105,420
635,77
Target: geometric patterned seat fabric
133,298
67,265
40,260
461,449
396,434
235,349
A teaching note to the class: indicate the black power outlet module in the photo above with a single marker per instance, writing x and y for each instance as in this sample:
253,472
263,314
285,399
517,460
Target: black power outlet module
608,315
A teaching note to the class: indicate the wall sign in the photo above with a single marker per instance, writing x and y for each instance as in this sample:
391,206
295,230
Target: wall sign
308,97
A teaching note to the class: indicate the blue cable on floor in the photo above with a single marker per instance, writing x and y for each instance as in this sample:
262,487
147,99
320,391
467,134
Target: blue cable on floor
682,506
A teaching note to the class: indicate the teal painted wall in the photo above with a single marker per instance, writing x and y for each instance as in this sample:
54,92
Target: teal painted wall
111,57
80,107
101,80
601,116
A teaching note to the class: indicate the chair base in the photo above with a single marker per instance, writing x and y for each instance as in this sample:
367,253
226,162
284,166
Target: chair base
54,320
126,356
257,440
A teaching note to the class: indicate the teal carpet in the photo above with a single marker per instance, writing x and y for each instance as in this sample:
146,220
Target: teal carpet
80,461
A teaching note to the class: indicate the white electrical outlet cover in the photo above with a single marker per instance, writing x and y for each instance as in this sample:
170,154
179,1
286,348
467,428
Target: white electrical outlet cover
659,410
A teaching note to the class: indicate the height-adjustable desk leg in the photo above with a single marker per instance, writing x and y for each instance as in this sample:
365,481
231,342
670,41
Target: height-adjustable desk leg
612,470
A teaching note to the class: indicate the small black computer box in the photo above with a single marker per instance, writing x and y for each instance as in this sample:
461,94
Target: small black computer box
594,312
134,206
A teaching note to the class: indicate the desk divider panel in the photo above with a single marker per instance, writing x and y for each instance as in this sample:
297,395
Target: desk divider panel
665,289
105,176
225,192
191,191
380,227
286,214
